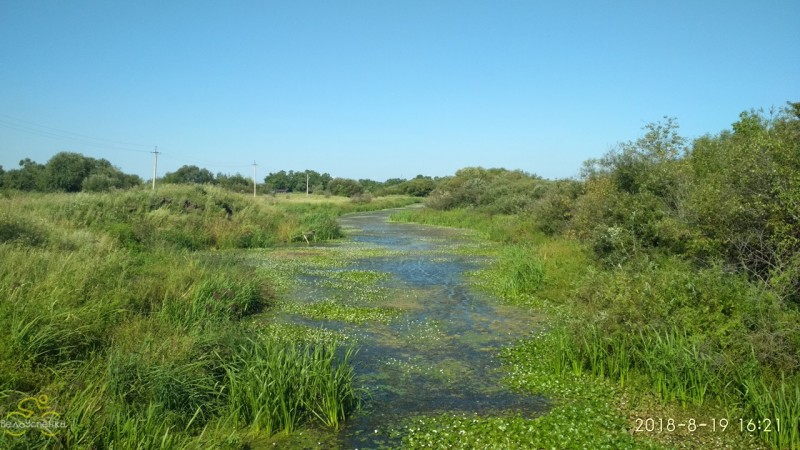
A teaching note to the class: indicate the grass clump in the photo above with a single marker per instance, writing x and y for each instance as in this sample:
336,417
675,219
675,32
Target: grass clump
516,274
275,387
215,298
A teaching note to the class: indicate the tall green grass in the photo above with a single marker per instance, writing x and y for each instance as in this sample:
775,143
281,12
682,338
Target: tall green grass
512,229
141,341
275,387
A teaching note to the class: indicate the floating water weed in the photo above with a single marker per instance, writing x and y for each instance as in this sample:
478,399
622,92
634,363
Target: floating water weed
333,310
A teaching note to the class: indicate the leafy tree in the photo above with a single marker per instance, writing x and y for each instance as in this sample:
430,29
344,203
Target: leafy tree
492,190
29,177
108,179
296,181
746,197
634,196
733,197
345,187
277,181
235,183
420,186
189,174
370,185
66,171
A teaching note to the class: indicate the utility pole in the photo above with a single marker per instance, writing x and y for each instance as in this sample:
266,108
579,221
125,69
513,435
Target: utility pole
155,166
254,178
306,183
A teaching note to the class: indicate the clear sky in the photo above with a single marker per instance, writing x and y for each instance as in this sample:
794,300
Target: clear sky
380,88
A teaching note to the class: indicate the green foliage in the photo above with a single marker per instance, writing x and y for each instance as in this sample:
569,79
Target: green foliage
730,197
746,199
518,272
217,297
184,217
345,187
109,179
68,172
274,387
497,191
189,174
21,231
29,177
178,386
335,310
554,210
235,183
142,344
515,229
292,181
419,186
574,426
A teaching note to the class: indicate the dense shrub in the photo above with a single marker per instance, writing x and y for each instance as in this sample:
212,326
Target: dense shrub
497,191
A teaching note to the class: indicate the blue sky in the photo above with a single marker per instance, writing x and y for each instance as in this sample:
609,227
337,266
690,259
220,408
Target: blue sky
380,89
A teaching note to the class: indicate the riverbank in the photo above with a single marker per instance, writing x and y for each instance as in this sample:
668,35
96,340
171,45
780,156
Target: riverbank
596,354
125,322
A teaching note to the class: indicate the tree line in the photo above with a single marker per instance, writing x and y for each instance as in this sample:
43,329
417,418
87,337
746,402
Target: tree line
67,172
73,172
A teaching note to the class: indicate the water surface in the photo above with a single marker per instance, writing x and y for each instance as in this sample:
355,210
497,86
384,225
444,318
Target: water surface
439,355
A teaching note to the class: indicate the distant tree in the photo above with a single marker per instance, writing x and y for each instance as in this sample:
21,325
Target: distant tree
190,174
323,180
370,185
345,187
296,181
66,171
106,177
235,183
277,181
393,181
420,186
491,190
29,177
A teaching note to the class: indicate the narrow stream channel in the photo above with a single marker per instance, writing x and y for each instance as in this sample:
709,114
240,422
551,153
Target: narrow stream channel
439,355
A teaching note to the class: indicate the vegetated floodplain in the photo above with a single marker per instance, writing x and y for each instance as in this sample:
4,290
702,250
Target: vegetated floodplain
126,325
651,304
670,274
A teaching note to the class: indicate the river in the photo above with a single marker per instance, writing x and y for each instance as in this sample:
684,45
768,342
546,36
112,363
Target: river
439,355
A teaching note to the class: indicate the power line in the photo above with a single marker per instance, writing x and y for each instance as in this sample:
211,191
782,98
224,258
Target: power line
26,126
15,123
182,158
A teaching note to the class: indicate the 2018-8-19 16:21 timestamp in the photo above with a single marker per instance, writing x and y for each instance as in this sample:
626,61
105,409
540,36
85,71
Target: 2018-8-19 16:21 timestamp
662,425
